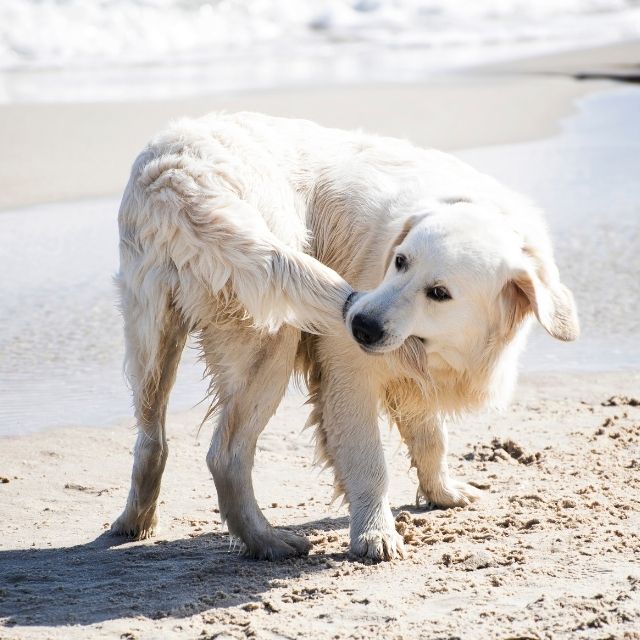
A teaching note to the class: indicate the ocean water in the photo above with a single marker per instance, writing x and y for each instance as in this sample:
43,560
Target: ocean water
69,50
587,181
61,345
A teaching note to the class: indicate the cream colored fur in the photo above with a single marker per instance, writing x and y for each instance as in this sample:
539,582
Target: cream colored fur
245,230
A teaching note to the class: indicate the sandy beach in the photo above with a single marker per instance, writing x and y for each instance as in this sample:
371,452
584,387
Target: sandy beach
71,151
552,549
550,552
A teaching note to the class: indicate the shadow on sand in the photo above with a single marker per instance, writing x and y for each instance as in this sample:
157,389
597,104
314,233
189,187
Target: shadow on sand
106,579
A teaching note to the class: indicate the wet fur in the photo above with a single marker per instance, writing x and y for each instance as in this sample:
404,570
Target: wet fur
250,232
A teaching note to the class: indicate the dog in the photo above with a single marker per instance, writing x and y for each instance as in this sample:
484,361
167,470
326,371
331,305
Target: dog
388,276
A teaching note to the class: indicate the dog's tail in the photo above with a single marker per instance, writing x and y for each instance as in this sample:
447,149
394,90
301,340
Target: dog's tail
215,239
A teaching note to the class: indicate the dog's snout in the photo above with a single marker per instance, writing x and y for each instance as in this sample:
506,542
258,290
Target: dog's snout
367,330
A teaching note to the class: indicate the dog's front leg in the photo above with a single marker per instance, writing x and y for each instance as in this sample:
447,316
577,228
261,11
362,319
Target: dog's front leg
426,438
350,437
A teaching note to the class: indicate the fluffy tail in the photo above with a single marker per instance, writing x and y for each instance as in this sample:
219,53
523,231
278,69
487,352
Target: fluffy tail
214,237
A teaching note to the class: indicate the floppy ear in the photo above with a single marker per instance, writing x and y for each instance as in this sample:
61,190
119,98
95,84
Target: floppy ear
409,223
551,302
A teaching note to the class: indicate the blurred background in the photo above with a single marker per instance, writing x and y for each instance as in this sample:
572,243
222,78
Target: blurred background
68,50
541,94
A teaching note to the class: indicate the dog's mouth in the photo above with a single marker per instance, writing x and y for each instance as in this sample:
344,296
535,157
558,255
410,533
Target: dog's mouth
382,349
374,351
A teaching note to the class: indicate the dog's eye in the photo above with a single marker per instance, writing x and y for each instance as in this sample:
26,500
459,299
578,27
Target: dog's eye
439,293
401,262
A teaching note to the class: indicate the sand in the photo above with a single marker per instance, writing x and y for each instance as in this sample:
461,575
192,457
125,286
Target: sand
87,149
70,151
551,551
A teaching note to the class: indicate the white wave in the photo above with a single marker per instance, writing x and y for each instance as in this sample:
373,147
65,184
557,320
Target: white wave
265,42
62,33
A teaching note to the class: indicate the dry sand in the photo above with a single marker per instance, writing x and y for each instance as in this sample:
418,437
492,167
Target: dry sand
550,552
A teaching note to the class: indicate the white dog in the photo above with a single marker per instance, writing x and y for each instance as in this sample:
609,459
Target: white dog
246,229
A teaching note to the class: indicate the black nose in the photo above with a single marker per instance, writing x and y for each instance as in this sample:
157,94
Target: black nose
365,329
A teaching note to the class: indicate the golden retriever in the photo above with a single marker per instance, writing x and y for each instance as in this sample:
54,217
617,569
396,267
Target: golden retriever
250,232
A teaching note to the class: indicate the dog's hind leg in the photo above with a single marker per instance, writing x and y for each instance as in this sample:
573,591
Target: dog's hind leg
250,371
426,439
155,335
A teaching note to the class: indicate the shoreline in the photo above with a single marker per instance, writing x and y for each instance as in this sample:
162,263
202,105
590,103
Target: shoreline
541,385
90,147
62,341
94,161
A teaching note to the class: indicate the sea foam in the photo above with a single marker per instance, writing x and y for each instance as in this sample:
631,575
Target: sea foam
231,44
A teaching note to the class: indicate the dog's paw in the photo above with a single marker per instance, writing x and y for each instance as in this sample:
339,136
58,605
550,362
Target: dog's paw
453,494
136,527
378,544
276,544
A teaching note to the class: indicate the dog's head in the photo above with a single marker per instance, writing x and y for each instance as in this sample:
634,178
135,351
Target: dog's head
461,279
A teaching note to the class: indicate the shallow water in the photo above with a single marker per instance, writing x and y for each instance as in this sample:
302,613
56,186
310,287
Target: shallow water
61,345
587,179
61,342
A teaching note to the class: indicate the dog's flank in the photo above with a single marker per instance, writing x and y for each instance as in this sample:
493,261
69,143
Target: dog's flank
265,238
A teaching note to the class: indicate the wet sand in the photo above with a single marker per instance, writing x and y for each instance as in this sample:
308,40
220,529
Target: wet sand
71,151
62,341
550,552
